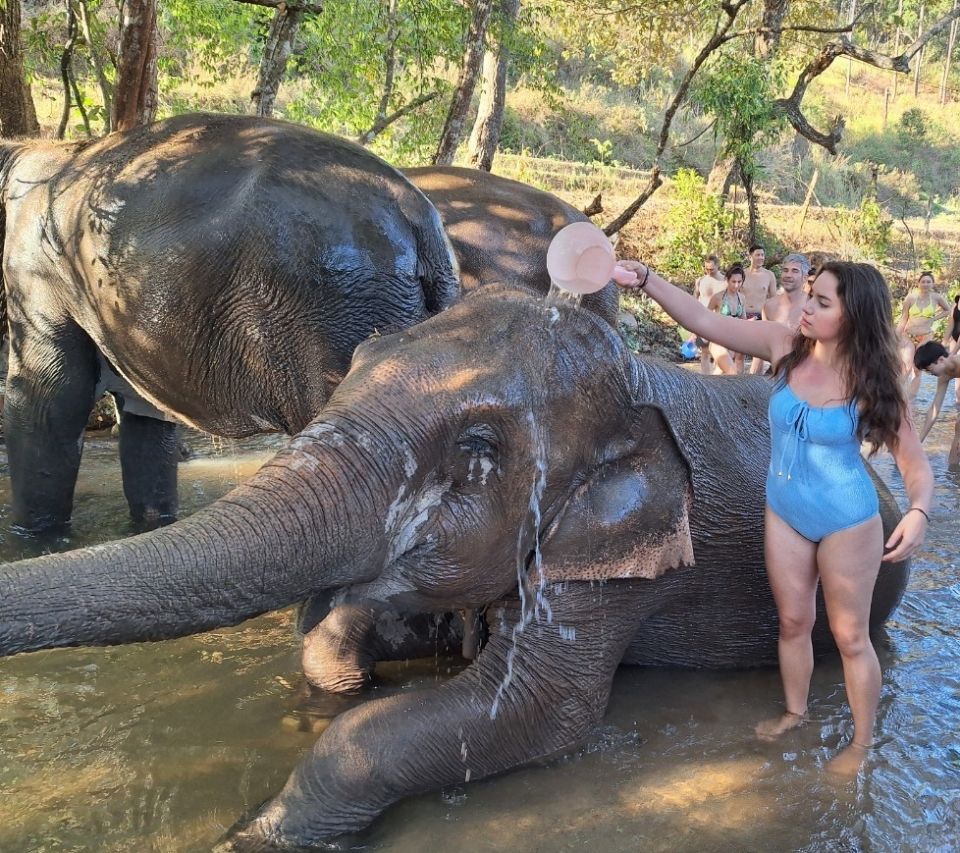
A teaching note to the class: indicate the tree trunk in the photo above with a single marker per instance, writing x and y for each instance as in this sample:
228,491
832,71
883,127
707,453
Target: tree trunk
17,114
768,39
896,49
66,58
948,59
753,214
283,32
850,20
135,95
469,71
916,73
106,90
493,90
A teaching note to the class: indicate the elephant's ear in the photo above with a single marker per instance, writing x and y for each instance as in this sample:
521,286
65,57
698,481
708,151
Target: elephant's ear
631,519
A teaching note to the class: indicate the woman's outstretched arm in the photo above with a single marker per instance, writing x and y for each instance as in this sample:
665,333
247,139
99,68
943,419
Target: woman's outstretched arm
761,339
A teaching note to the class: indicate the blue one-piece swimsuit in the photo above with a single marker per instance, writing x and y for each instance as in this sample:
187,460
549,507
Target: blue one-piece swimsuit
817,481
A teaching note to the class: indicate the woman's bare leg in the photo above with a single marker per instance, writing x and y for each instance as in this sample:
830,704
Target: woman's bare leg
792,569
849,562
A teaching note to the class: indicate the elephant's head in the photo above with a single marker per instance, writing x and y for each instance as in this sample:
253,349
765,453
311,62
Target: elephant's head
501,442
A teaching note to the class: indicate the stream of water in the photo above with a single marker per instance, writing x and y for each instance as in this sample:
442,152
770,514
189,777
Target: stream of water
163,746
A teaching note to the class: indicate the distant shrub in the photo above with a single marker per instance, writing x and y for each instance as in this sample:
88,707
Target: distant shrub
869,228
696,224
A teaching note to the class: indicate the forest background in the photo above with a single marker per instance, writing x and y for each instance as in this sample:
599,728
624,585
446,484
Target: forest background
683,126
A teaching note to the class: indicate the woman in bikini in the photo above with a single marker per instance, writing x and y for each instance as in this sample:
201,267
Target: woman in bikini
836,384
728,303
922,307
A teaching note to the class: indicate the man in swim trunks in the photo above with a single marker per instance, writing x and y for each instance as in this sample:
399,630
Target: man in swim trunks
759,286
787,306
704,289
933,358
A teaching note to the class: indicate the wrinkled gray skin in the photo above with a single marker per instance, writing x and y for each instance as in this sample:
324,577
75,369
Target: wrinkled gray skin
226,267
447,454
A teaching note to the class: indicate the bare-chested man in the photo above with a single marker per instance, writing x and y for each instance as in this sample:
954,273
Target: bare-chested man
704,289
787,306
759,285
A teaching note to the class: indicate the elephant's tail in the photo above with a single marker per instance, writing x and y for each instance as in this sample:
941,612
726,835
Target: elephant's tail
437,263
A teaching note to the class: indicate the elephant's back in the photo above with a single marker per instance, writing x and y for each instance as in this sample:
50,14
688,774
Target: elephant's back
500,229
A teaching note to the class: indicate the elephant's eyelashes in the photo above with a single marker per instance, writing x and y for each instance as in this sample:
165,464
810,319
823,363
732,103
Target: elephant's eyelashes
477,457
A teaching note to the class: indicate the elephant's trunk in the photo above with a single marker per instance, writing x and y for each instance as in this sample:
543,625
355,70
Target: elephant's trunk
293,529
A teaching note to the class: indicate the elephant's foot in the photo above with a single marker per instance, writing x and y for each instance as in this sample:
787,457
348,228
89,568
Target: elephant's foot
772,729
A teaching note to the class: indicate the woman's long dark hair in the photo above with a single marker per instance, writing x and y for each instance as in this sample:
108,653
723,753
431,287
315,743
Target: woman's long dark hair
868,348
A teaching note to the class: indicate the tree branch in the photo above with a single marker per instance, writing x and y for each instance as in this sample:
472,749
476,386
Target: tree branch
383,122
790,107
287,5
731,9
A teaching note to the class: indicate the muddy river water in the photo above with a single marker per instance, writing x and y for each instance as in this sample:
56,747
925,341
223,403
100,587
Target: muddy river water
163,746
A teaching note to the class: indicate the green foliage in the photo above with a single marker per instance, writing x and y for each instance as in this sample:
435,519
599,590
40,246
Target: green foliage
869,228
912,127
738,90
697,224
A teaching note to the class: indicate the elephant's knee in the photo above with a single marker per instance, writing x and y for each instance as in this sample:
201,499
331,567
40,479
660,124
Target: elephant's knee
334,655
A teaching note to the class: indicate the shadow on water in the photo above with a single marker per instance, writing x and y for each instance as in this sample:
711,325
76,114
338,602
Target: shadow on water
161,746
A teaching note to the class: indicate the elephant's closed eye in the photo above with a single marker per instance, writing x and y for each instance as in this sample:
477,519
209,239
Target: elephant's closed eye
477,457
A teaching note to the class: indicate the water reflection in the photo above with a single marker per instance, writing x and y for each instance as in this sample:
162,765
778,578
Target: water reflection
164,745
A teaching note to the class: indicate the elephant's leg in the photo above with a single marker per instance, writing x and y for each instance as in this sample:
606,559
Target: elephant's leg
51,382
528,694
340,652
149,453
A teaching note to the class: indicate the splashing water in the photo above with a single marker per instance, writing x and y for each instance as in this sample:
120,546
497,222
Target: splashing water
560,296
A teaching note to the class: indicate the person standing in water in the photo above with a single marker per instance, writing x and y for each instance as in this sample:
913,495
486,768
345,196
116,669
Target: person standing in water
921,308
837,384
759,286
936,360
704,288
787,307
728,303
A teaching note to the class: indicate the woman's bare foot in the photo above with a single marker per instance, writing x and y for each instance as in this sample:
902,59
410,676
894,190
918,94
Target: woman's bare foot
772,729
849,761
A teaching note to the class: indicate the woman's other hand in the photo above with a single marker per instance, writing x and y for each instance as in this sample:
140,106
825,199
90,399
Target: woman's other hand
907,537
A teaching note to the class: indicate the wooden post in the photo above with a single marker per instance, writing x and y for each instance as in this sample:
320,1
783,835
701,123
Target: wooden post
886,107
806,201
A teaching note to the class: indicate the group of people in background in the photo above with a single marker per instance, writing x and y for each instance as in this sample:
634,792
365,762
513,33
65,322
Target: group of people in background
749,292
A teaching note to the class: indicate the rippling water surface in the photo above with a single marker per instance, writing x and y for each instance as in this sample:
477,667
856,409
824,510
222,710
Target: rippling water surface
163,746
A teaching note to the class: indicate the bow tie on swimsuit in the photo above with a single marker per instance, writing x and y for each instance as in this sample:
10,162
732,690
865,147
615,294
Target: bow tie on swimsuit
797,417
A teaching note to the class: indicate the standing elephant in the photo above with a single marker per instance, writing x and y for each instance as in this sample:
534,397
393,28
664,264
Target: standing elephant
216,270
507,455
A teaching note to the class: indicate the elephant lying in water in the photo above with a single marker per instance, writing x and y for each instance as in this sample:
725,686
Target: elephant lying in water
219,270
506,454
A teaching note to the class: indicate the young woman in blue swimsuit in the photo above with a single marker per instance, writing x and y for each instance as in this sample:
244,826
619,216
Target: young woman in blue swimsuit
837,384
